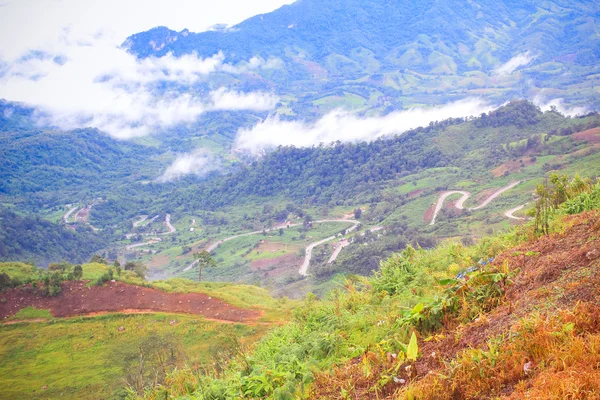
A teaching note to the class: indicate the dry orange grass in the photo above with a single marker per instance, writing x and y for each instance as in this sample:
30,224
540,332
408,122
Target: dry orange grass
564,351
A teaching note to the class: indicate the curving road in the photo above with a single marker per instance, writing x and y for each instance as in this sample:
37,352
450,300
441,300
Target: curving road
308,253
465,195
138,222
168,224
68,214
510,213
337,250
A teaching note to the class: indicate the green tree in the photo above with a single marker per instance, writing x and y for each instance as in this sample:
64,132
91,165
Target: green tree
137,267
77,272
204,259
5,281
96,258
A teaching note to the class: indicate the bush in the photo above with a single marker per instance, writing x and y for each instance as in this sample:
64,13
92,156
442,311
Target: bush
77,272
5,281
107,276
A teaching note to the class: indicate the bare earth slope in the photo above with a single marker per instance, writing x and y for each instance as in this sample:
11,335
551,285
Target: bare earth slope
78,299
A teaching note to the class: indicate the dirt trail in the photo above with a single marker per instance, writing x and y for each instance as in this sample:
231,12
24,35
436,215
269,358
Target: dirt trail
171,228
68,214
138,222
78,299
338,249
167,223
465,195
510,213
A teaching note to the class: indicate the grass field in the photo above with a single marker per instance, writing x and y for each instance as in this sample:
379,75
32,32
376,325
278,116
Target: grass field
86,358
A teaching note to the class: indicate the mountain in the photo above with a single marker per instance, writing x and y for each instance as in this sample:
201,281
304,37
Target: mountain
395,181
44,166
413,52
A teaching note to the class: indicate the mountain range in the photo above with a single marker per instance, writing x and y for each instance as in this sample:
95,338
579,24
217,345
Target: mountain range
402,53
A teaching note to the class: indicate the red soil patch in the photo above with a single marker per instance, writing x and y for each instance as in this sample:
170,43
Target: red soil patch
276,266
591,135
428,216
415,193
512,166
315,69
272,247
83,214
77,299
157,261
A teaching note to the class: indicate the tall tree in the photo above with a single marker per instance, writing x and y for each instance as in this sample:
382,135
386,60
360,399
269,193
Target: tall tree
204,260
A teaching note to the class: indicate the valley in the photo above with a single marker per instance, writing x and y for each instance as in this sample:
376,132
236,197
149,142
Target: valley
309,199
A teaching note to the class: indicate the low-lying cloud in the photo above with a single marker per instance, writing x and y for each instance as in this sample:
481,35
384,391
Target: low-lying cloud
222,99
511,65
348,127
94,83
546,104
200,162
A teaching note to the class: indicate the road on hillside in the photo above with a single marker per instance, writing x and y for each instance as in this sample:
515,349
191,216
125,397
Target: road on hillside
308,253
464,196
138,222
170,227
68,214
511,213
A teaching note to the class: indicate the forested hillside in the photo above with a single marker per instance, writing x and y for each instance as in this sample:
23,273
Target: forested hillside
41,167
33,239
339,172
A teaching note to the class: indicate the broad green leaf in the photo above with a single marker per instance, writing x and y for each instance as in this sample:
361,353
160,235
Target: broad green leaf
412,350
418,308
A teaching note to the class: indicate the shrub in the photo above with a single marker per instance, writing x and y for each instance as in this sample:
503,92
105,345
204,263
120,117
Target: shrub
77,272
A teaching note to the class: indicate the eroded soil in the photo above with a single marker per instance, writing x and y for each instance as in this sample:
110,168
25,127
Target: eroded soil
76,298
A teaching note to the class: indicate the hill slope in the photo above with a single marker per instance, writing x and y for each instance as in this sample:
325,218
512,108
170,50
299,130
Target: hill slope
482,319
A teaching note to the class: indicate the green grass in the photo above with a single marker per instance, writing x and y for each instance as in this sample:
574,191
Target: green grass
32,313
18,269
244,296
82,358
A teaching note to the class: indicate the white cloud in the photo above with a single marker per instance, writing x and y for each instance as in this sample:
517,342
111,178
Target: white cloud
103,86
48,24
199,163
223,99
347,127
511,65
546,104
63,58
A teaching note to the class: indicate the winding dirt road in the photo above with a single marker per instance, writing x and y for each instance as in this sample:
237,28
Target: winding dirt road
510,213
465,195
336,252
138,222
68,214
308,253
170,227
